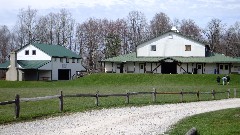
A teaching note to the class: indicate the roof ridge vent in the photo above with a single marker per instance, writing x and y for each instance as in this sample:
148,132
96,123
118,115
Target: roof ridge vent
174,29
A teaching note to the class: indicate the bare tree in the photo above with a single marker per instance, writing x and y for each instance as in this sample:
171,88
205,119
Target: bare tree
190,28
159,24
214,33
232,40
88,36
4,42
137,27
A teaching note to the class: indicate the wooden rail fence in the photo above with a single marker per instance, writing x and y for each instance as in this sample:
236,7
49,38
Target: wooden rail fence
154,94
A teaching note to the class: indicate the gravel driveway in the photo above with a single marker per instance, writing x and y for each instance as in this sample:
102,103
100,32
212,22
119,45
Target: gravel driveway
153,119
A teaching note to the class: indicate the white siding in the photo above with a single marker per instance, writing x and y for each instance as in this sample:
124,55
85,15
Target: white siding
40,55
210,68
171,47
74,67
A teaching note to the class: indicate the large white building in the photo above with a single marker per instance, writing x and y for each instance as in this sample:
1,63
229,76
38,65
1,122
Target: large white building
42,62
172,53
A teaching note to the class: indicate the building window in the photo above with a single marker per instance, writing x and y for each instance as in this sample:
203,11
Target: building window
187,47
61,60
153,47
73,60
67,60
78,60
199,67
33,52
26,52
221,66
226,67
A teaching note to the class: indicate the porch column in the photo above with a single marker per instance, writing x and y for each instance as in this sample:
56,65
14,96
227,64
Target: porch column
145,67
230,66
104,66
51,74
187,67
37,75
112,67
151,66
134,67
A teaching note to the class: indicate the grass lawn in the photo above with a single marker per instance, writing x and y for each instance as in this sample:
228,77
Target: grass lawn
105,84
223,122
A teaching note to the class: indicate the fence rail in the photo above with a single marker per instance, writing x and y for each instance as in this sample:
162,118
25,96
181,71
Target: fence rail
154,94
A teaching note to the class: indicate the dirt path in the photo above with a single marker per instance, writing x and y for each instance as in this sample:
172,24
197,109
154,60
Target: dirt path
153,119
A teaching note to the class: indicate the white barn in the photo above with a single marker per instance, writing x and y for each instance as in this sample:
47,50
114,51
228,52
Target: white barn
42,62
172,53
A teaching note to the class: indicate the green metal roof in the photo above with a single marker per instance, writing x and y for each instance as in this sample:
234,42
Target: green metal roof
26,64
32,64
214,58
56,50
4,65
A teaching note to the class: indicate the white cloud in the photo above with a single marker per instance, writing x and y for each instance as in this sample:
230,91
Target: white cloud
198,10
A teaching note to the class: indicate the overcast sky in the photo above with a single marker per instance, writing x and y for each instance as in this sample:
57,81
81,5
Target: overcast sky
201,11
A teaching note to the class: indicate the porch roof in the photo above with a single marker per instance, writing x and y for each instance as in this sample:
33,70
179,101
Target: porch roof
4,65
213,58
26,64
32,64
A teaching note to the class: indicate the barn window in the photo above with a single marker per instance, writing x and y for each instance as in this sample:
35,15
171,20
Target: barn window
73,60
61,60
153,47
226,67
33,52
187,47
26,52
221,66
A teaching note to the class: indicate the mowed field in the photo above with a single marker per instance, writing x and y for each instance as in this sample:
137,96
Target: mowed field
106,84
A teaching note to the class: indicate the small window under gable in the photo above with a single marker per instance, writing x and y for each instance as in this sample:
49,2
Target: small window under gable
67,60
33,52
153,47
26,52
61,60
188,48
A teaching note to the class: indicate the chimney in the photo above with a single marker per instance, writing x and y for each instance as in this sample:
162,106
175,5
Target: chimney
13,59
12,73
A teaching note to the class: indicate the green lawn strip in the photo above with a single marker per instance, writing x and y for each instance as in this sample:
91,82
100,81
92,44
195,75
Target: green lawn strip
105,84
223,122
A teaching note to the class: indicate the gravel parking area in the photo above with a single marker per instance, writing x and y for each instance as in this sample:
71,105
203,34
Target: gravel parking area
153,119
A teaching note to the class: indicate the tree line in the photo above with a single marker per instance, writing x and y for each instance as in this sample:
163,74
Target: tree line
96,39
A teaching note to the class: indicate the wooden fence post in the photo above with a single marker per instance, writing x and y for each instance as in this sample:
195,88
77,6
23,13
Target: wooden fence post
17,106
181,96
154,95
235,93
228,93
97,101
213,94
61,101
127,98
198,95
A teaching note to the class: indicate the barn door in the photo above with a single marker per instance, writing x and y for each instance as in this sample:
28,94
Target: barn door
223,69
199,69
